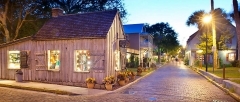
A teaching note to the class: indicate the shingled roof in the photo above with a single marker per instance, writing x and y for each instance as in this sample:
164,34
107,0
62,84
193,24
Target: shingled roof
85,25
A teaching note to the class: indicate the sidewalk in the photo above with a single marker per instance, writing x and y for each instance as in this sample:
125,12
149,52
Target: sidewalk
72,90
61,89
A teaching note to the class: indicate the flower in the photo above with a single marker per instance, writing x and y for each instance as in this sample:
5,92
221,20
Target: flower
109,80
90,80
139,69
133,74
121,76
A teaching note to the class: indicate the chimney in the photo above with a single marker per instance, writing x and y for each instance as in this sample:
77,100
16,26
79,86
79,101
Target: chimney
57,12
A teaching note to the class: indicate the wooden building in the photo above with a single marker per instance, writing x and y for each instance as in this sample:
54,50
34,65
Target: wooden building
68,49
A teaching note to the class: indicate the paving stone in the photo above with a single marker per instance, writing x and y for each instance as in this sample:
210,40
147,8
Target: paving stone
171,83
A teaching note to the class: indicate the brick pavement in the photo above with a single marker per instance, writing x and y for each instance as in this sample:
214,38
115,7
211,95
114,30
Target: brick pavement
172,83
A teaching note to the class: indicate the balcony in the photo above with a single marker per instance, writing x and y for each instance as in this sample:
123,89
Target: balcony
146,45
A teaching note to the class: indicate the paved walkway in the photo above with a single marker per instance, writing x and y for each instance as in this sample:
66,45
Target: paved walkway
170,83
72,89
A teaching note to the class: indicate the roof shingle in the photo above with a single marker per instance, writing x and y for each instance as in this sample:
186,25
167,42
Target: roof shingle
86,25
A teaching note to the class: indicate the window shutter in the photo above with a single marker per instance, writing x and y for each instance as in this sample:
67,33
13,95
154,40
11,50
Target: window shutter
23,59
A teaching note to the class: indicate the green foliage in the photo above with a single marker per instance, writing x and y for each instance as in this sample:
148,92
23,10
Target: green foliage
76,6
235,63
222,41
164,37
196,63
134,61
205,39
196,17
186,61
26,17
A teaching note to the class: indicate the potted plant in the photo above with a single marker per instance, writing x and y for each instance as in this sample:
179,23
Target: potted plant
139,71
121,78
133,75
90,82
109,81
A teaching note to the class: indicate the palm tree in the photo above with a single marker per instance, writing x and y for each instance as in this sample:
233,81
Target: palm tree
237,21
195,19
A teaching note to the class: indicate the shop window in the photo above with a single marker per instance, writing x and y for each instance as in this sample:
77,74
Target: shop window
53,59
14,59
82,61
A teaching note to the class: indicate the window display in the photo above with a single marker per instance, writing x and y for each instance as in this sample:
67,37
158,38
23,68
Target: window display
82,61
54,59
14,59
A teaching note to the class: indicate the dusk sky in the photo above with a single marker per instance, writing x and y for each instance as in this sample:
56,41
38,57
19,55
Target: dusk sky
175,12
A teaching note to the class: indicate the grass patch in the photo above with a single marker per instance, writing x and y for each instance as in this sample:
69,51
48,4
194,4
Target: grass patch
236,81
38,89
230,72
143,73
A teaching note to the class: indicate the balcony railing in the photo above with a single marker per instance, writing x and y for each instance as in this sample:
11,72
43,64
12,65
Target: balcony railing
146,45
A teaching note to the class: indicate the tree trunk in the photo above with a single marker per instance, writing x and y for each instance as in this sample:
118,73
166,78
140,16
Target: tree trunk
3,20
237,21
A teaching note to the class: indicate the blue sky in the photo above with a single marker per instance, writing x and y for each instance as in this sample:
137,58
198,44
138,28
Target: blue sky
175,12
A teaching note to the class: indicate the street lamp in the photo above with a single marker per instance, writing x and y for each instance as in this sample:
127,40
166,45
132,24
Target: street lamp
207,19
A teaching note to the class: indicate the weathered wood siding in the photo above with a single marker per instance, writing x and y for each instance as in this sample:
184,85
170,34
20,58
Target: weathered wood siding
114,35
10,73
66,73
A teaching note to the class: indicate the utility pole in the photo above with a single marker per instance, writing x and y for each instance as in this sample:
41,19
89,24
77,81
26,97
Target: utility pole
214,47
237,21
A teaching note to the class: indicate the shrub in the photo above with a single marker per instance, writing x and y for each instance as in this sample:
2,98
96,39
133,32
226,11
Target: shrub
235,63
186,61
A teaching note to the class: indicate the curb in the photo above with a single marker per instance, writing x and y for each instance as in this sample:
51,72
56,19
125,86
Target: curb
59,92
126,86
235,96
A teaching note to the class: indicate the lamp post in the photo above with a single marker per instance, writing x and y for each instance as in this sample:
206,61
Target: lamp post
206,19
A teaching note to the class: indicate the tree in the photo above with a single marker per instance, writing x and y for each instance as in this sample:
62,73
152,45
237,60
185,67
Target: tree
81,6
196,18
20,18
14,14
164,37
237,21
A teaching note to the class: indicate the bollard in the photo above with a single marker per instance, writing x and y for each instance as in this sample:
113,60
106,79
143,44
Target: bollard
223,71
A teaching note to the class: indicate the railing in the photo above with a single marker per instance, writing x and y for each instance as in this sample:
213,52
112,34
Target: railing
146,44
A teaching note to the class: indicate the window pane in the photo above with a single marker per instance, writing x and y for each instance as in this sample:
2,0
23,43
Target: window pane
231,56
54,61
14,60
82,60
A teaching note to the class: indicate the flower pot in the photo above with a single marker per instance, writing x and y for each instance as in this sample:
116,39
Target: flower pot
108,87
126,80
133,77
90,85
139,73
121,82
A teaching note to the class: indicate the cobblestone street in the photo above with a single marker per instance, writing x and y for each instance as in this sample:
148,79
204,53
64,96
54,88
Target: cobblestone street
170,83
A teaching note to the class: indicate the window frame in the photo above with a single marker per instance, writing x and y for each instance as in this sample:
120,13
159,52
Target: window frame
49,60
231,56
8,59
88,60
